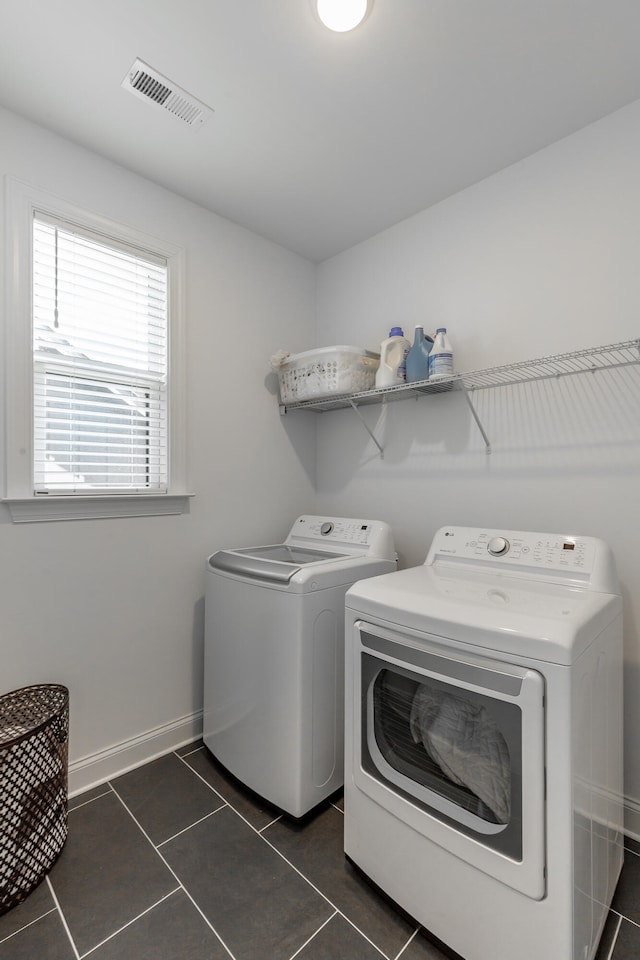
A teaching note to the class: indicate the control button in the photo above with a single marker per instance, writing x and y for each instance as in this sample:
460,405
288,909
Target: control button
326,528
498,546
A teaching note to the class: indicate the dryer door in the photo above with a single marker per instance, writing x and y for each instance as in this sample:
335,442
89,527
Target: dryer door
453,744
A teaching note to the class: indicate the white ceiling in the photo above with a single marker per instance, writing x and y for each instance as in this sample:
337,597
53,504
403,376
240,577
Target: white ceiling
320,140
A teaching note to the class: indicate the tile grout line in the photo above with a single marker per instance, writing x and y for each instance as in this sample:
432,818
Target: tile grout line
128,924
90,800
195,772
365,937
614,939
180,756
623,916
195,823
63,919
313,935
223,799
26,925
337,913
411,938
173,873
270,824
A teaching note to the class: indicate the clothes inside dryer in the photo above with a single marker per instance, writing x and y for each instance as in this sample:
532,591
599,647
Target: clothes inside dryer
444,741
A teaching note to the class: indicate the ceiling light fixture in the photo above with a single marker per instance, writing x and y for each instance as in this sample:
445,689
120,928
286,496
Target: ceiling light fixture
342,15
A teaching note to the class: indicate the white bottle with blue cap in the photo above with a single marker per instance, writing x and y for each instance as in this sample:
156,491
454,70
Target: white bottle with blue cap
441,356
393,359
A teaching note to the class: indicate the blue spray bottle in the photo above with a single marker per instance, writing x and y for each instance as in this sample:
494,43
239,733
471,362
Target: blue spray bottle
418,356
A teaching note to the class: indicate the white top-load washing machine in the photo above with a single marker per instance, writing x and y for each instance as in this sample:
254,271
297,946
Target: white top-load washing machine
274,655
483,753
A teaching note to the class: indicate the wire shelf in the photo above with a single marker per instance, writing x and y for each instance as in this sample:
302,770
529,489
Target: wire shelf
565,364
592,359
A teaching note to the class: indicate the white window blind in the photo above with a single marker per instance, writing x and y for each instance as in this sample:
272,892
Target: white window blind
100,382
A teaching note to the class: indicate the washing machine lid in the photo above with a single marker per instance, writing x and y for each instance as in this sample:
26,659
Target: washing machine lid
277,562
549,622
319,552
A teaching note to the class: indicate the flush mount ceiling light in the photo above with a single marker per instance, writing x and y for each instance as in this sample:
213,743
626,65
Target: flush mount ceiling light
342,15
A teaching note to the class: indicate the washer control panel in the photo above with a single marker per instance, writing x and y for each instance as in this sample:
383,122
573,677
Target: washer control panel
352,536
558,556
334,528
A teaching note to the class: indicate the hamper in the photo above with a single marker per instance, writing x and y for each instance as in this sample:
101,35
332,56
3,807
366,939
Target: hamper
34,734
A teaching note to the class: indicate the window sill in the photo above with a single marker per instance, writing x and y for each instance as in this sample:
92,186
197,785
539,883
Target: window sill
46,508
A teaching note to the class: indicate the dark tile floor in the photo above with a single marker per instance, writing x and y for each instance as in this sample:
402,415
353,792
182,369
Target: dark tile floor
176,861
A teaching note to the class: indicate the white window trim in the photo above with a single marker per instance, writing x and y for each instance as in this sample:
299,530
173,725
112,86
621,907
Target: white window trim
21,200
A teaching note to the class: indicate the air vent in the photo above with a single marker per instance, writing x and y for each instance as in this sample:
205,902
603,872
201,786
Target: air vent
145,82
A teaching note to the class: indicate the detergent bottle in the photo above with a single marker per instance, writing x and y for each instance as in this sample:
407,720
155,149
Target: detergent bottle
393,359
418,356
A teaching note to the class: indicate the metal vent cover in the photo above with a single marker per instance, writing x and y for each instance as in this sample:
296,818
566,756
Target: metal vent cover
147,84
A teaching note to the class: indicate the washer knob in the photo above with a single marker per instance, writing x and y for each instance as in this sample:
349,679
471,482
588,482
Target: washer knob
326,528
498,546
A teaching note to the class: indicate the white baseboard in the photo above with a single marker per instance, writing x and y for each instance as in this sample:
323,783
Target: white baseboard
632,818
106,764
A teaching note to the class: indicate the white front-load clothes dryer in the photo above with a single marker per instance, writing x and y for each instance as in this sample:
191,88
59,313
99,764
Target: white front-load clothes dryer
274,655
483,744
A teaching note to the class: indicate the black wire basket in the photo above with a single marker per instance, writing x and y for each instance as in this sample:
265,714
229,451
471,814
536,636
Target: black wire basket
34,736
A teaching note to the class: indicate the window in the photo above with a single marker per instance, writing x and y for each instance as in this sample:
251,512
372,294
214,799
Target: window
94,316
99,340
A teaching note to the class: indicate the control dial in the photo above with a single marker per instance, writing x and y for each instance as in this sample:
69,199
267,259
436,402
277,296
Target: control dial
326,528
498,546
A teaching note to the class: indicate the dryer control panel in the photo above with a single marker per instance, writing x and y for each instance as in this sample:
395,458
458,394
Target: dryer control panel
581,560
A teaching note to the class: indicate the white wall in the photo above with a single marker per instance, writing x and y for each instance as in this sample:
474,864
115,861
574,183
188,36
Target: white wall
540,259
114,608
